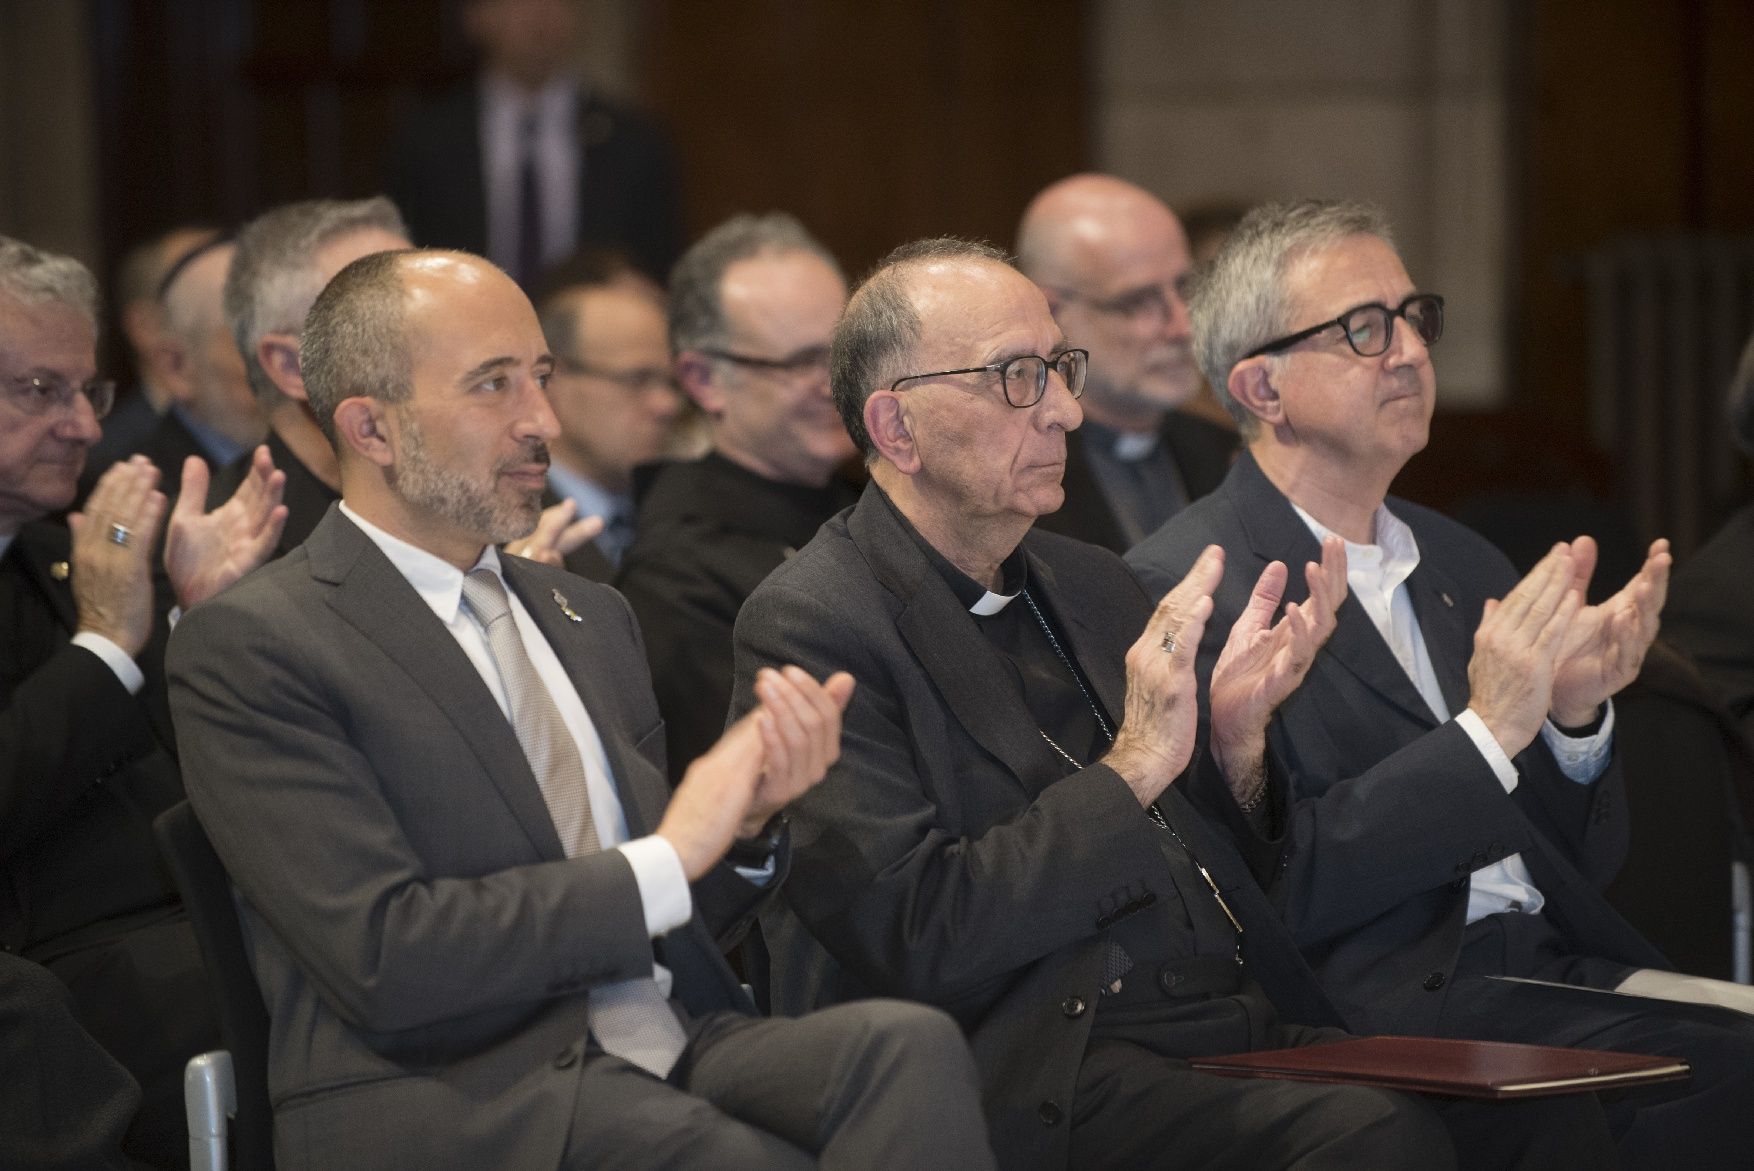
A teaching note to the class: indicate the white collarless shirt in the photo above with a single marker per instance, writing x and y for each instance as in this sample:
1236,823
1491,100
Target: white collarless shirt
1377,577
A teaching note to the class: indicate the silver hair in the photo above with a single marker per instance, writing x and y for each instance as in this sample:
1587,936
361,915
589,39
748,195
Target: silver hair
1240,301
274,279
880,327
36,277
696,307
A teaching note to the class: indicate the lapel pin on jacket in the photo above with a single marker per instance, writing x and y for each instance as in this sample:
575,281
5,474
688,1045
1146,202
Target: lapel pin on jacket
566,607
1447,600
59,570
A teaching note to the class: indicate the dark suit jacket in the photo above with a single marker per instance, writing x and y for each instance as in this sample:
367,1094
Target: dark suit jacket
1202,452
708,532
84,767
948,858
1390,811
628,183
1708,615
423,946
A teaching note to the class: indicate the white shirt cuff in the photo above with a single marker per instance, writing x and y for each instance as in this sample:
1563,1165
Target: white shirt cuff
1583,758
115,658
1471,723
663,885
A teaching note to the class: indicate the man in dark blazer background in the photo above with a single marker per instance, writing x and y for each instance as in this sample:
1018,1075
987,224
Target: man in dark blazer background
485,934
1112,260
1453,808
1001,836
526,164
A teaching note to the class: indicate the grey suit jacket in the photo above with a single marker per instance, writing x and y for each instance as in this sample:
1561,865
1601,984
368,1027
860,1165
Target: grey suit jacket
1390,811
948,858
422,944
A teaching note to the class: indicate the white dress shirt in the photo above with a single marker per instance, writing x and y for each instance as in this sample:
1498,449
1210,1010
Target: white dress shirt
504,108
1377,576
663,886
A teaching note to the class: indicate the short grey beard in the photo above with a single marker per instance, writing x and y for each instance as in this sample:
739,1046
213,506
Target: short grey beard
421,482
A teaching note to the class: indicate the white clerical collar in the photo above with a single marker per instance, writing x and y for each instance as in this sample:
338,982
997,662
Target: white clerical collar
437,581
991,603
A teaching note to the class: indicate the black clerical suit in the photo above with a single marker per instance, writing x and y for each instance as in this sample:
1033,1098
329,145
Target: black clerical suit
306,497
1191,450
1391,812
84,768
958,854
708,531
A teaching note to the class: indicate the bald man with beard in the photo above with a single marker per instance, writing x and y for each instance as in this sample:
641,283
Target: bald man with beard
1112,261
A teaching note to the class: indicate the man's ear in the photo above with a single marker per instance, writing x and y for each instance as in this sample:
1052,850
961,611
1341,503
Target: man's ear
1251,384
700,381
362,425
278,355
175,368
888,423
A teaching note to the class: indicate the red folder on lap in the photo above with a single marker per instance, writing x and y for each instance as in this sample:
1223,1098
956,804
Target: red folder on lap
1454,1069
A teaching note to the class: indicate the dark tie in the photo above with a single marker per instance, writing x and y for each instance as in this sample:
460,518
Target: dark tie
630,1019
529,206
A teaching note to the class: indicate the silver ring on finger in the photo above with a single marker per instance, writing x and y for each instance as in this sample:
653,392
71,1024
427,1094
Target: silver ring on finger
1168,643
120,533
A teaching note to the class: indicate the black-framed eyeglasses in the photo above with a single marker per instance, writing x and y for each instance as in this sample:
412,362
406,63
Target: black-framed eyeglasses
1369,328
1025,377
633,380
812,358
41,394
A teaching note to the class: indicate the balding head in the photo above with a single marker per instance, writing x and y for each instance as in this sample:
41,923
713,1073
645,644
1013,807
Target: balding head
1113,262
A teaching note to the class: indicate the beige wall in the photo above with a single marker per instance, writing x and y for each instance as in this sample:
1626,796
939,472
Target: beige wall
1397,101
48,171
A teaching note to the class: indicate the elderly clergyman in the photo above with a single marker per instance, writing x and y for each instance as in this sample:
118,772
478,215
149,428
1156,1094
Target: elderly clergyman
1453,801
1002,835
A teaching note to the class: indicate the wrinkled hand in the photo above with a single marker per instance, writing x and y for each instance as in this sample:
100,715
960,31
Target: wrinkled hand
206,551
1516,650
1157,732
773,754
1607,643
1264,661
112,584
556,534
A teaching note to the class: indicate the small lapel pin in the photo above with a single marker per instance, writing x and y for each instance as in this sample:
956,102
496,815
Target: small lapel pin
566,607
1447,600
59,570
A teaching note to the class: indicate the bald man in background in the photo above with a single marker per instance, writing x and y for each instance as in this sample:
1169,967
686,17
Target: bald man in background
1112,261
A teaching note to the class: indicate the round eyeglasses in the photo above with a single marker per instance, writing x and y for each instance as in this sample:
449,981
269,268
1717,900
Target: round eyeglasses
1370,328
1025,377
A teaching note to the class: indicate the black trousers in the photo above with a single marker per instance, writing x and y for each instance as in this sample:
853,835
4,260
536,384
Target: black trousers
1139,1106
1706,1121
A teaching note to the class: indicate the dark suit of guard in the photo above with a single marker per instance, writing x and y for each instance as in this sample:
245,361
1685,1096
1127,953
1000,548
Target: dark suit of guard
1198,451
1391,812
84,768
953,856
628,182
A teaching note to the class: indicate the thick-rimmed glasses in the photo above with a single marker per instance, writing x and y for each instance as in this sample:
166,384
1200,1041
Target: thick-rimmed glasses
42,394
811,359
1369,328
1025,377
